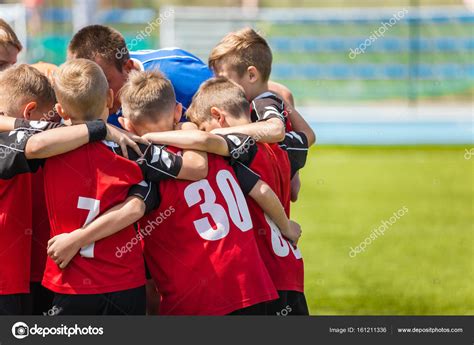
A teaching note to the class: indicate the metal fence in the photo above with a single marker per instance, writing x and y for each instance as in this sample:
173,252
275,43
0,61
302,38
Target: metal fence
347,54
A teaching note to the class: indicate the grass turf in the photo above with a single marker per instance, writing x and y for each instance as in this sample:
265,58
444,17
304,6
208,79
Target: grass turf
422,265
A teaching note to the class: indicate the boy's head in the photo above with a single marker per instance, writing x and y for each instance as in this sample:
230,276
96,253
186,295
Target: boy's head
10,46
219,103
244,57
25,93
106,47
149,103
82,91
48,69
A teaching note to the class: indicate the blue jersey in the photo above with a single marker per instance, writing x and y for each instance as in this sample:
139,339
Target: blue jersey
185,71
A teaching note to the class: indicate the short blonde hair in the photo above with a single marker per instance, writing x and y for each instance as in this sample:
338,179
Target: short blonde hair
147,95
242,49
81,88
22,84
8,36
221,93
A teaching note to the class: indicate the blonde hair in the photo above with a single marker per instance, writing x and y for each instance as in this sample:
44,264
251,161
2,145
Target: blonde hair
221,93
8,36
81,88
22,84
147,95
242,49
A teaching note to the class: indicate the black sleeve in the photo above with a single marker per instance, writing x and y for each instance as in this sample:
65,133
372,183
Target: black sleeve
12,154
36,126
242,148
296,145
158,163
246,177
267,107
97,128
146,191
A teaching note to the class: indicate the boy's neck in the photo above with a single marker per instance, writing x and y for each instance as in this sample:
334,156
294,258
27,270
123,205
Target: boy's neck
262,88
240,122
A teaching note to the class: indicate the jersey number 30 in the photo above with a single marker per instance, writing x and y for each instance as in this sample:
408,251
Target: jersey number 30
236,204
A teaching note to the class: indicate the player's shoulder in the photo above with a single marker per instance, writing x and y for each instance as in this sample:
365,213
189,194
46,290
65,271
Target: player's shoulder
268,105
162,54
269,96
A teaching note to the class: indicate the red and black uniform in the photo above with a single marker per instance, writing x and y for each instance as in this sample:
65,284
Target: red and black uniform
96,179
268,106
16,216
277,164
201,251
42,298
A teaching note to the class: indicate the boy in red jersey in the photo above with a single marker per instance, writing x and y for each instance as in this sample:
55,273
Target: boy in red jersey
246,58
221,103
204,266
26,94
98,281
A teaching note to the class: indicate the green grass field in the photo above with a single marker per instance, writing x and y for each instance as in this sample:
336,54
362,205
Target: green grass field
422,265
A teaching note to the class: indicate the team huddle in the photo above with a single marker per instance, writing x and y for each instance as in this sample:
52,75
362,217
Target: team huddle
149,182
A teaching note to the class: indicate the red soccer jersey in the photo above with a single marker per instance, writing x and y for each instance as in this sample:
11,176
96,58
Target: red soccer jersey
79,186
202,253
283,261
15,234
15,206
40,228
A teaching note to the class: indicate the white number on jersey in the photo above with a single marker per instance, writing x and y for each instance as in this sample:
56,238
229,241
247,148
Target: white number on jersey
236,204
281,247
93,206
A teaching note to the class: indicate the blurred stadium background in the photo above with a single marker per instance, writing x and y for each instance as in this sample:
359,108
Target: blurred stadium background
394,128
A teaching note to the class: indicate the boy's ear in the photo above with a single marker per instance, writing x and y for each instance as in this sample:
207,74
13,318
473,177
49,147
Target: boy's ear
253,74
61,112
129,66
29,109
126,124
218,115
110,99
178,112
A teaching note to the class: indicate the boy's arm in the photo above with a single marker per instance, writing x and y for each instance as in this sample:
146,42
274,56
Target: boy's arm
296,146
141,200
65,139
191,139
271,205
299,124
266,198
239,146
7,123
159,163
268,131
194,166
